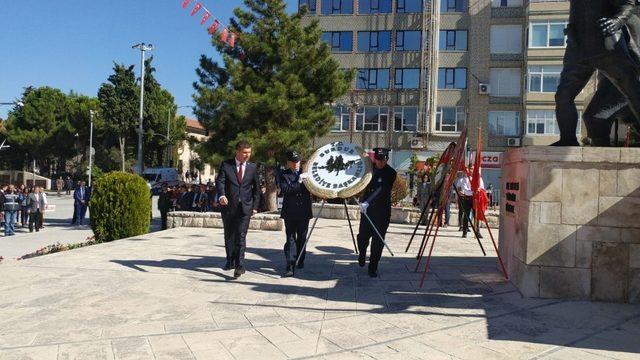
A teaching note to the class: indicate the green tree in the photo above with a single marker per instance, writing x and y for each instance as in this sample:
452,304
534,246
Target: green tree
119,102
273,88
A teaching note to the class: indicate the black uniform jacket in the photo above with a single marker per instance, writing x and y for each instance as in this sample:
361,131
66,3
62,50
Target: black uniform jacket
296,199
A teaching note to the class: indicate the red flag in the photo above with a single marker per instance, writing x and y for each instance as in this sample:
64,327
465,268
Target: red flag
185,3
480,199
627,140
214,27
205,17
196,9
224,34
232,40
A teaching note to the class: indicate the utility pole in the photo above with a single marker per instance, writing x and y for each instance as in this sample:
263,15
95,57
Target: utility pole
142,47
91,112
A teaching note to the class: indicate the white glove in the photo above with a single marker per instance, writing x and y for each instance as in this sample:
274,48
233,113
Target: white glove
302,177
363,207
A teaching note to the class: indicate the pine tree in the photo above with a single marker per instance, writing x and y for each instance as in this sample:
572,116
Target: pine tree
273,88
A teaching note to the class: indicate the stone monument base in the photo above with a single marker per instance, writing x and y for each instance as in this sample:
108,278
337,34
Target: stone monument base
570,222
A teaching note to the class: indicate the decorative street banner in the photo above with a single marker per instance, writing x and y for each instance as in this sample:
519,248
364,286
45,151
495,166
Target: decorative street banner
338,170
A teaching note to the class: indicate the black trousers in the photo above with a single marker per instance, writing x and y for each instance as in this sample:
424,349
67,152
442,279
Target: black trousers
34,219
466,203
236,225
163,220
616,66
366,232
296,230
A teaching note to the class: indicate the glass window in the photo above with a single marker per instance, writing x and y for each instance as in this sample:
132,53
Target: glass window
409,6
374,6
505,82
310,4
372,118
407,40
372,79
544,78
339,41
407,78
452,78
506,39
542,122
405,118
504,123
374,41
453,40
337,7
506,3
341,113
453,6
549,34
450,119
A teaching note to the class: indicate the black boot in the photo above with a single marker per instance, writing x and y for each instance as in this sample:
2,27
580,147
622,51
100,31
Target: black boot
362,258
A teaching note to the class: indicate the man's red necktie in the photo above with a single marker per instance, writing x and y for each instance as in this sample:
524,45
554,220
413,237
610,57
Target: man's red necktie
239,173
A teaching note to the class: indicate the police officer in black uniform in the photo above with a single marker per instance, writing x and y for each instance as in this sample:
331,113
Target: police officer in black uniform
296,211
376,203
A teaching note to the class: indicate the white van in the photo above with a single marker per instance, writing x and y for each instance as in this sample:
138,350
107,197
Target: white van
156,177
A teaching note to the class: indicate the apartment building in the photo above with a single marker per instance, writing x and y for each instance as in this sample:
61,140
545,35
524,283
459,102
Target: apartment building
498,65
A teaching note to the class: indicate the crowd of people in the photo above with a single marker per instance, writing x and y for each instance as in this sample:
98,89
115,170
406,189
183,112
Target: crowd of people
24,205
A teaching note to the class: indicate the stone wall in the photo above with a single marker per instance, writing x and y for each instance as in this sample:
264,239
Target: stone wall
262,221
569,226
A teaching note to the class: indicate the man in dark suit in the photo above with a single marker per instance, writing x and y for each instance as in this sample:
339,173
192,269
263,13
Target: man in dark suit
239,196
296,211
184,199
81,198
164,205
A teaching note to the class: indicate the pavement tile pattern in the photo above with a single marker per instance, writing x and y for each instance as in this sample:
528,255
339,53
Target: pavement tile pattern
164,296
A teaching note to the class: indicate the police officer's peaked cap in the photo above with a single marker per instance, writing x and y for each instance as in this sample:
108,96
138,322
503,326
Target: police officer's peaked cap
293,156
381,153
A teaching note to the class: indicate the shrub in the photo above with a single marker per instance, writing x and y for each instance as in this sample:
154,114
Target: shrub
399,190
119,206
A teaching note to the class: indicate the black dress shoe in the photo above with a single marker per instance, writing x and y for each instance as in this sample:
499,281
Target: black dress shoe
464,235
289,272
239,271
228,266
361,259
480,236
373,273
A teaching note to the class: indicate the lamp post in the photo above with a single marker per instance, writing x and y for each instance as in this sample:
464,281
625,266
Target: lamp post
169,129
142,47
91,112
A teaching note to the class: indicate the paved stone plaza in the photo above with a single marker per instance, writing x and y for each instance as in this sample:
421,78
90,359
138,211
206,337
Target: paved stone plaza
164,296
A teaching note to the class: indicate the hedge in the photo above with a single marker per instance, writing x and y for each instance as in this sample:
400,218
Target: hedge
119,206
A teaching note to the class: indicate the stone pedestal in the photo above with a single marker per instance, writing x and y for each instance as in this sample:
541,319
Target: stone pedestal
570,222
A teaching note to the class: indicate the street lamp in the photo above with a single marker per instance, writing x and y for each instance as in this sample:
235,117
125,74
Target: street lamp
142,47
18,103
169,127
92,113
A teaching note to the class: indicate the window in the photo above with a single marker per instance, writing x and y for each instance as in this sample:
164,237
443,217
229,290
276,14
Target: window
542,122
337,7
407,40
451,40
339,41
341,113
506,39
310,4
373,41
544,78
505,81
409,6
405,118
548,34
374,6
506,3
372,79
504,123
452,78
372,118
450,119
453,6
407,78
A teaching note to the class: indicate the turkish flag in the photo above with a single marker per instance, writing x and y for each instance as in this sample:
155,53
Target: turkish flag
480,199
214,27
185,3
232,40
205,17
196,9
224,34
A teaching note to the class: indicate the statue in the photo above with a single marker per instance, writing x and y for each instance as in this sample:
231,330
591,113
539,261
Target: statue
601,35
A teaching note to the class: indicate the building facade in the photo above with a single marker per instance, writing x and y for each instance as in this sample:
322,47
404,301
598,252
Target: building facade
189,160
498,66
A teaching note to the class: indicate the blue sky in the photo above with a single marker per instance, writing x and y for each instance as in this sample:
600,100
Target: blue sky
72,44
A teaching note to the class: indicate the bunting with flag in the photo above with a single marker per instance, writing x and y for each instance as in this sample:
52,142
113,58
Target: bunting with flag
226,36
